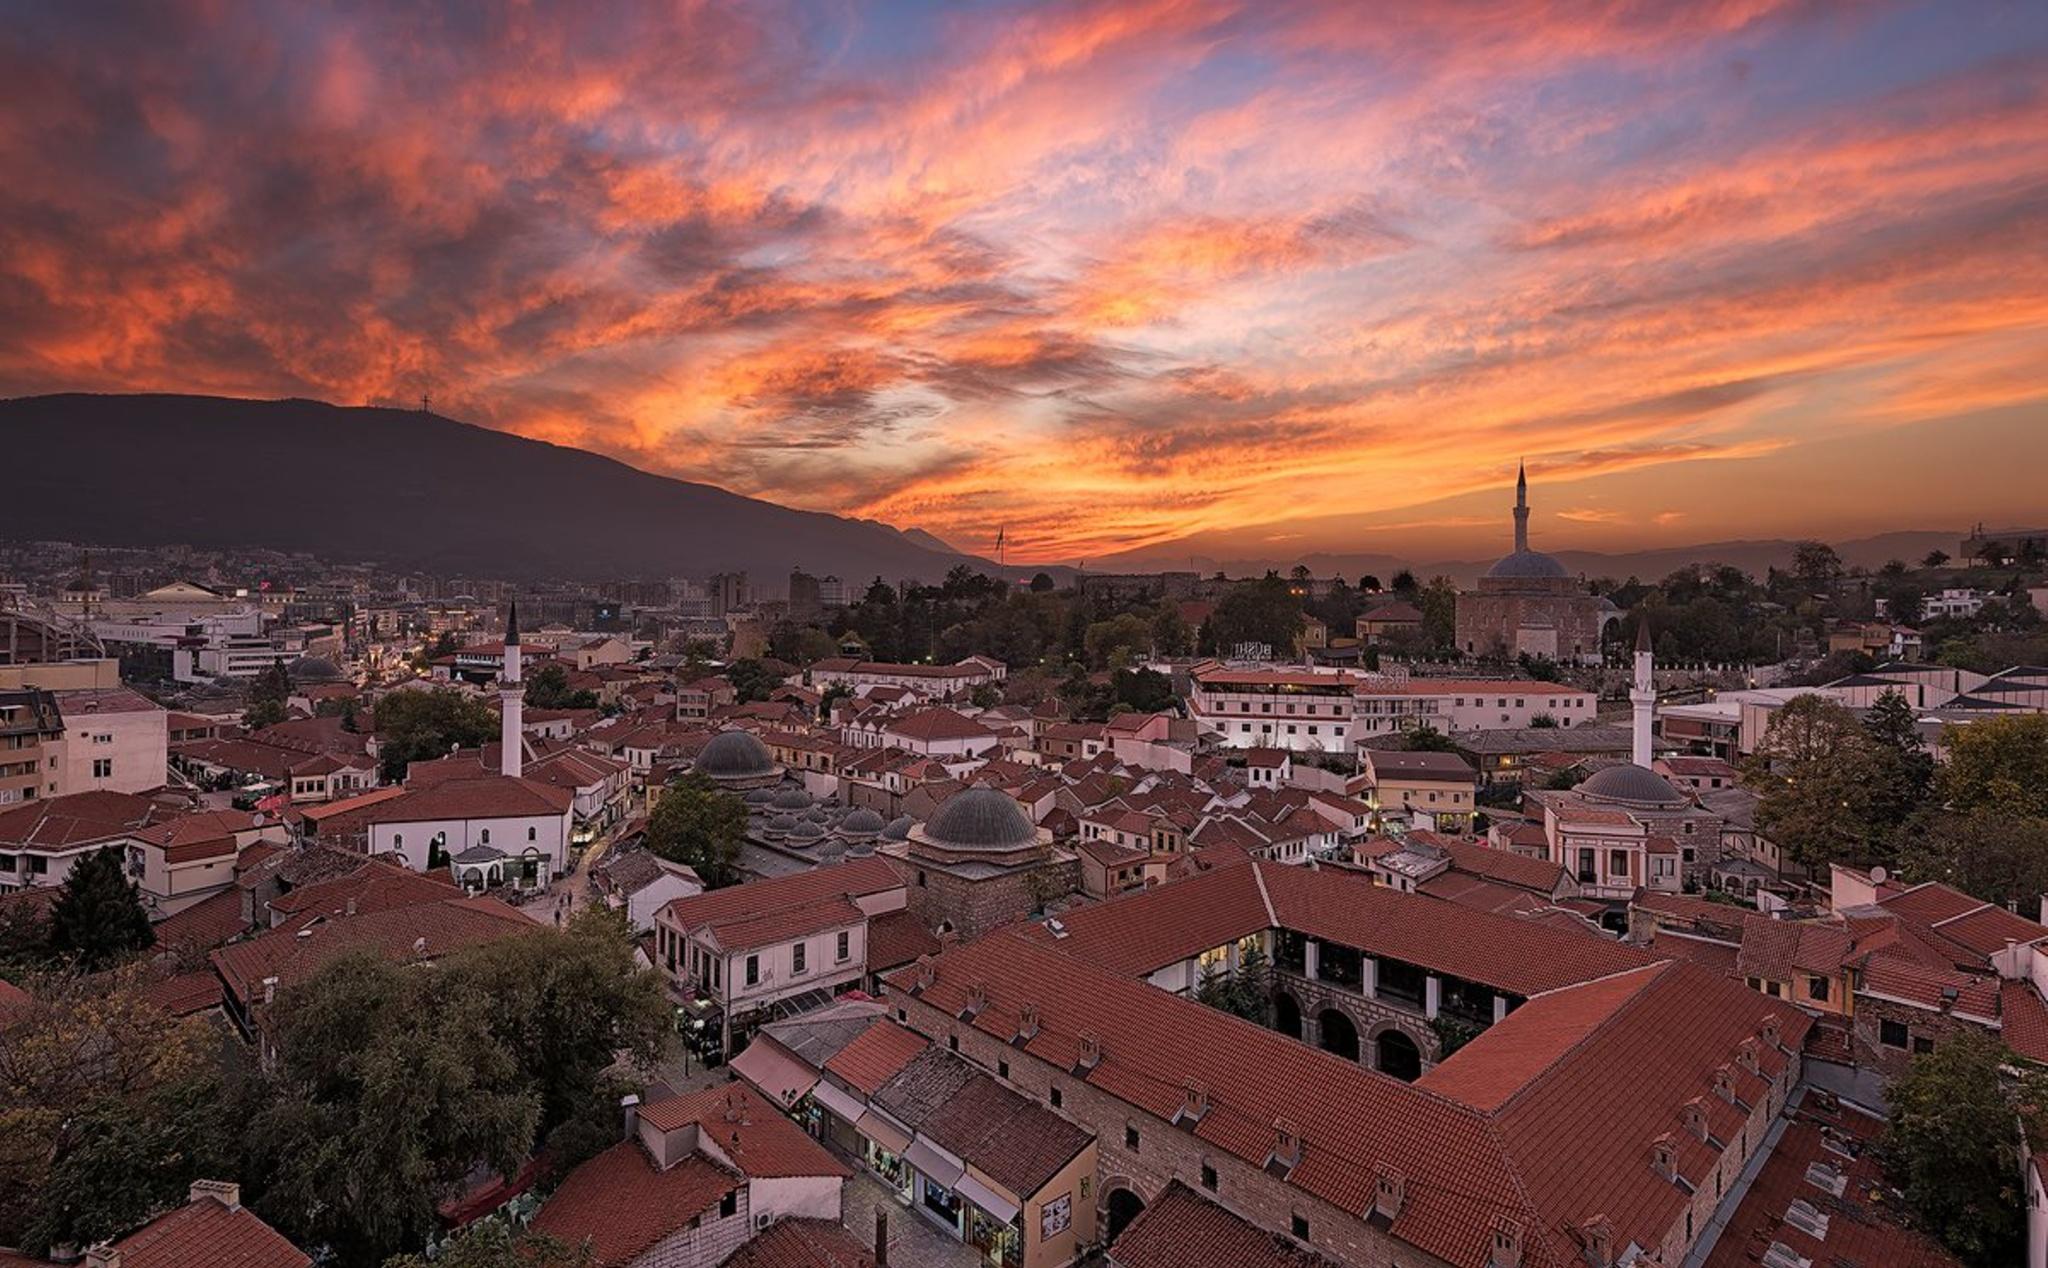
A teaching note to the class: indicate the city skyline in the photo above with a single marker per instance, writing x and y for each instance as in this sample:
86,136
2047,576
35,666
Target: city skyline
1102,277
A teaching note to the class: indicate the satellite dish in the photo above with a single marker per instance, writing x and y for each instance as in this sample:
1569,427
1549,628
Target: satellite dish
1879,876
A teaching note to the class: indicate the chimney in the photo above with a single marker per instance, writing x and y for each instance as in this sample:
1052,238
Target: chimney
1694,1115
1770,1030
270,990
1746,1056
977,999
1724,1084
1286,1145
1598,1236
1027,1022
1389,1190
226,1192
1507,1244
926,973
629,1104
350,908
1194,1102
102,1255
1091,1050
881,1238
733,1106
1664,1157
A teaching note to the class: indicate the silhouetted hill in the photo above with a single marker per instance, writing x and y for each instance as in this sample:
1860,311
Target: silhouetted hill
400,487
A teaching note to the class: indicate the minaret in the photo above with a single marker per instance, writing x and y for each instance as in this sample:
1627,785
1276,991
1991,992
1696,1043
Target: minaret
511,703
1521,507
1642,697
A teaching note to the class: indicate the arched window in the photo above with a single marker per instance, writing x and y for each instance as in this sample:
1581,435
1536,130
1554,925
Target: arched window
533,834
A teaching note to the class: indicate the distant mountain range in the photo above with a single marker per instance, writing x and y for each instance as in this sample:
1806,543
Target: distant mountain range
416,490
404,488
1754,557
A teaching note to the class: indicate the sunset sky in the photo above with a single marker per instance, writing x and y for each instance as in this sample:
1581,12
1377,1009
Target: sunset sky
1110,275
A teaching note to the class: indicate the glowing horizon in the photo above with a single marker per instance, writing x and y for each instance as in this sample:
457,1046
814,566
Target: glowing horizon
1108,276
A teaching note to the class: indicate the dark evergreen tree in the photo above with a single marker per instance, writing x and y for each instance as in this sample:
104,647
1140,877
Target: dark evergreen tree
98,918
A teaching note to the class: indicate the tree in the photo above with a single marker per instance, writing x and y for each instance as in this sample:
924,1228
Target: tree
1369,584
1427,739
385,1094
1404,582
490,1244
1952,1146
1041,583
267,695
1935,559
1439,603
1814,770
1170,633
1263,612
1998,858
93,1078
1117,642
420,726
1816,565
1146,690
1901,770
98,918
444,646
548,688
1998,766
1251,987
699,824
752,680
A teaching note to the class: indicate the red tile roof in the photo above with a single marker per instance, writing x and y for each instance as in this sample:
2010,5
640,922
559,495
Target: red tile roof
739,903
875,1056
207,1234
2025,1020
803,1244
204,925
621,1205
473,797
897,937
1165,1232
762,1142
415,932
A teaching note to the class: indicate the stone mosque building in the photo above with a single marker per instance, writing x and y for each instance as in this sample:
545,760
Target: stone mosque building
1528,603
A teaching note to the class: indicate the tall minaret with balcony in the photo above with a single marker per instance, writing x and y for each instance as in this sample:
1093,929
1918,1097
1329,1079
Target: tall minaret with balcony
511,703
1521,507
1642,697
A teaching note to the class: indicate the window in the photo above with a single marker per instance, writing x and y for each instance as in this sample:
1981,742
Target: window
753,970
729,1205
1002,1069
1892,1034
1131,1137
1617,862
797,957
1817,988
1588,871
953,1042
1056,1098
844,948
1922,1044
533,834
484,837
1299,1227
1209,1176
902,1015
102,767
920,880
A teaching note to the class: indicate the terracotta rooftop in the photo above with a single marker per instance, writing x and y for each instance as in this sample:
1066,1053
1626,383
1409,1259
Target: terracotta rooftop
1164,1232
796,1243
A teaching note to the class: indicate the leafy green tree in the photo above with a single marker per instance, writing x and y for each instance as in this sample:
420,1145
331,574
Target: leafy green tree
548,688
1170,633
1814,771
1999,765
1146,690
1427,739
385,1094
1251,986
1901,769
1041,583
1369,584
1999,858
753,680
267,695
1117,642
1816,565
98,919
699,824
491,1244
1952,1145
1935,559
419,726
93,1078
1404,583
1264,611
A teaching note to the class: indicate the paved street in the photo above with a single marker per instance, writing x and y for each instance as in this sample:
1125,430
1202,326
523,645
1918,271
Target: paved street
912,1241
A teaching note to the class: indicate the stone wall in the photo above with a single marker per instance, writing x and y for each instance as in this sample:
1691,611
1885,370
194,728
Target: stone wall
947,903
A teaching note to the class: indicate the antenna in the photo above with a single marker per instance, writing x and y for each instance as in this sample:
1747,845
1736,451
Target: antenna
426,402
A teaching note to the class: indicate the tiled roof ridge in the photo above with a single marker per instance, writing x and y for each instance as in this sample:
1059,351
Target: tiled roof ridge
1556,1063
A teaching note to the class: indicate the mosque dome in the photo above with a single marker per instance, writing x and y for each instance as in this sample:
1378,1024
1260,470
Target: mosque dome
898,829
806,832
792,799
780,826
980,819
735,755
1527,564
1631,785
313,669
760,796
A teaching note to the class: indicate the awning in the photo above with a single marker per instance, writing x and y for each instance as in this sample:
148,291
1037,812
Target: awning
774,1073
986,1198
834,1098
933,1164
883,1132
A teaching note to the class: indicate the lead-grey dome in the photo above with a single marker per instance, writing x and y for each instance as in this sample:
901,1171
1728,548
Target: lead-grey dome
760,796
806,832
735,755
861,821
1527,563
313,669
792,799
780,826
898,829
980,819
1636,785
